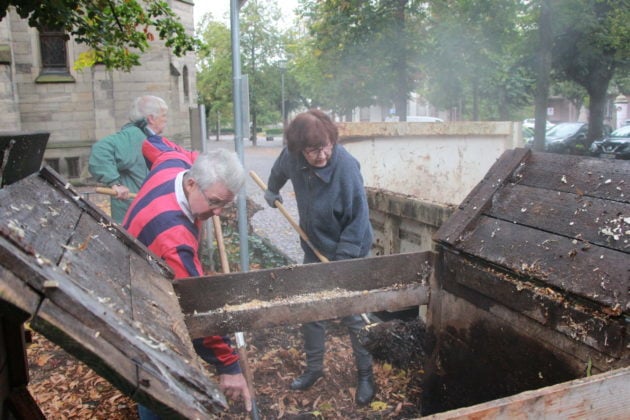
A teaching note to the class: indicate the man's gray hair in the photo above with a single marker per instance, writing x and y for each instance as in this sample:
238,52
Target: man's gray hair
145,106
219,165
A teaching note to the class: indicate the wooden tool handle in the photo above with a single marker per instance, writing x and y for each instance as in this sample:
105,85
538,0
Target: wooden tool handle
110,191
291,220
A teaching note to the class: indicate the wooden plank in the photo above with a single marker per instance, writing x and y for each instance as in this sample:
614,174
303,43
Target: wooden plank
304,308
155,307
602,396
94,259
37,218
586,219
21,154
50,178
17,298
22,405
602,178
480,197
202,294
551,309
141,366
595,273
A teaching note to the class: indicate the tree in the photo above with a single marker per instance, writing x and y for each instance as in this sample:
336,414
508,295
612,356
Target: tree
261,50
214,72
363,52
116,31
474,59
592,43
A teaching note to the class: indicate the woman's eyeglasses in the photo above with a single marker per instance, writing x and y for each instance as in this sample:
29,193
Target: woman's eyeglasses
315,151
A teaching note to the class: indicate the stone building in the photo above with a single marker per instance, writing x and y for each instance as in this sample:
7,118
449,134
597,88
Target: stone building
41,91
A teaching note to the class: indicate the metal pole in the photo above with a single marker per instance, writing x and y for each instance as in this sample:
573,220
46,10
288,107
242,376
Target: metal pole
204,148
238,145
283,113
237,91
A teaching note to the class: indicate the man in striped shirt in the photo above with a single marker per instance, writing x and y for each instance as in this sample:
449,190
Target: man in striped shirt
182,190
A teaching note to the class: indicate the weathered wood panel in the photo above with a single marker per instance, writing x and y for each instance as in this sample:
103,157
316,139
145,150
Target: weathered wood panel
596,273
603,396
208,293
304,308
591,220
551,309
100,295
601,178
21,154
290,295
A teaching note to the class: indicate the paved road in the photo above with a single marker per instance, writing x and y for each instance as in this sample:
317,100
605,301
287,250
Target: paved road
268,223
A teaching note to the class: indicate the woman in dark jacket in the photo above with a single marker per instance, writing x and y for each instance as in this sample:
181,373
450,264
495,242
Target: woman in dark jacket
334,214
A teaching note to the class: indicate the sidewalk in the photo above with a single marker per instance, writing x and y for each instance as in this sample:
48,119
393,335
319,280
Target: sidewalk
268,223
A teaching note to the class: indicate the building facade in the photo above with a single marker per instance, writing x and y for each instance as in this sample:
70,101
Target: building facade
41,91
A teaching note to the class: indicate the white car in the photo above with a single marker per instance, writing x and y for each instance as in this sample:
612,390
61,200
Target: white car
415,118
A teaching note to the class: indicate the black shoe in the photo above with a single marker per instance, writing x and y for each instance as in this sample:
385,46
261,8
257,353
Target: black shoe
365,389
307,380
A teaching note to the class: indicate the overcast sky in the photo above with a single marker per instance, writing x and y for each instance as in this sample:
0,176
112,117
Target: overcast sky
220,9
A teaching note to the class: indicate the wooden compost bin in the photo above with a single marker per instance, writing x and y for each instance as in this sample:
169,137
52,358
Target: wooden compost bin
531,290
86,285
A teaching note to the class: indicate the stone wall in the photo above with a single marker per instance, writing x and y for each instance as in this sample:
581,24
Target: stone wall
87,105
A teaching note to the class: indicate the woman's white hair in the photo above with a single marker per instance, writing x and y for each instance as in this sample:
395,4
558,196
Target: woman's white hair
145,106
218,165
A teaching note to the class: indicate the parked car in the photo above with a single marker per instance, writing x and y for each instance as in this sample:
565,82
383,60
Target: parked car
615,146
415,118
565,137
530,122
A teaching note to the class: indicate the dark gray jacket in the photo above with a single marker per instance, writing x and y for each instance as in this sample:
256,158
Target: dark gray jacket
332,203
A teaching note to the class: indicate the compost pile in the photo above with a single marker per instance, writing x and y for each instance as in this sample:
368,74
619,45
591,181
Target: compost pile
65,388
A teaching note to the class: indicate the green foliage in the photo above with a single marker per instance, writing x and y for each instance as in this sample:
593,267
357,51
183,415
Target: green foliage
116,31
591,45
214,74
359,53
475,58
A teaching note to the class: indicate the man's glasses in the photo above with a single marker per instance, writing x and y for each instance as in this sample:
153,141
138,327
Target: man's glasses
213,202
315,151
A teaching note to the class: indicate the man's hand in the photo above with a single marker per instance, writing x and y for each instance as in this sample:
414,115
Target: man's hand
122,192
271,197
235,386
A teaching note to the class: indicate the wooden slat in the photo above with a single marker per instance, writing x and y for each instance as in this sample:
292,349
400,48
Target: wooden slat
155,307
596,273
479,198
603,396
50,178
601,178
202,294
551,309
319,306
108,281
565,214
37,218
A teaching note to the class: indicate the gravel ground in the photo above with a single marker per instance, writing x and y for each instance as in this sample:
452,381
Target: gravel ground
268,223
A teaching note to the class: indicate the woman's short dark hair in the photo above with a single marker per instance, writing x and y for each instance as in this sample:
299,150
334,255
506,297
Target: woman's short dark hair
312,128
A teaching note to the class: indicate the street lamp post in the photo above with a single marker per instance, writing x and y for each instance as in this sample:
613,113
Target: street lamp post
283,67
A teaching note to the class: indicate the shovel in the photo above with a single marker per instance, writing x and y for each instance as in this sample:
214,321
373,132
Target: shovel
299,230
110,191
240,337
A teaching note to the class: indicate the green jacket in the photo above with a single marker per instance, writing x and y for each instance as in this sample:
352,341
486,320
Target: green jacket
116,159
